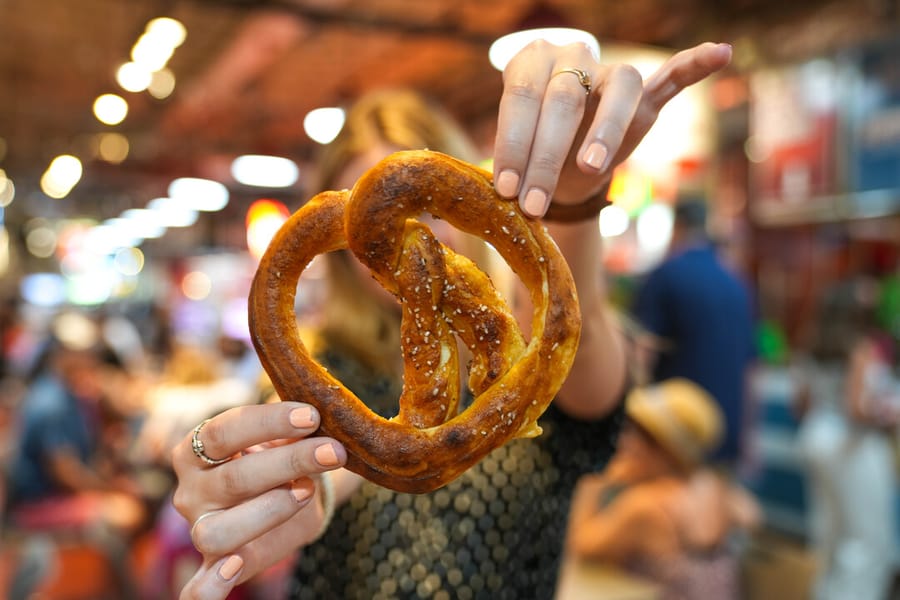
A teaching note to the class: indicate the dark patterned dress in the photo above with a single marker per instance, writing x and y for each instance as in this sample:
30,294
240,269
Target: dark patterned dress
495,532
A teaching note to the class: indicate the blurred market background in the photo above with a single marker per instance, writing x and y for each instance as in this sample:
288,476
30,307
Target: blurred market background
148,149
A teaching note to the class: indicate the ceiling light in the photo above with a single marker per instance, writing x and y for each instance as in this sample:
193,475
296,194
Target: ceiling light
151,52
137,227
504,48
172,213
162,84
323,124
112,147
133,77
110,109
7,190
167,30
199,194
265,171
61,176
109,237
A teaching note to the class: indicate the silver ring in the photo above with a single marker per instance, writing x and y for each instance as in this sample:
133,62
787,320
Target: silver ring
200,518
584,78
197,447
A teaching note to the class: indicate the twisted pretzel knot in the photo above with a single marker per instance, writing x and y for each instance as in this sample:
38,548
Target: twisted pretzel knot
442,295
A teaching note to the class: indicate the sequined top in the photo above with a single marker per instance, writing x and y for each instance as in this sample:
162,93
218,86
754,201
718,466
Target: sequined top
495,532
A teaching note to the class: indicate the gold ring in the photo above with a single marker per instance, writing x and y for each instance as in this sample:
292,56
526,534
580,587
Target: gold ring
584,78
199,450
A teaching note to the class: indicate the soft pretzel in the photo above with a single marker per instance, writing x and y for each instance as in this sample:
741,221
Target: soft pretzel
442,295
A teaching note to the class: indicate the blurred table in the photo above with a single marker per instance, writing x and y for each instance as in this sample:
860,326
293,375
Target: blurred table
579,580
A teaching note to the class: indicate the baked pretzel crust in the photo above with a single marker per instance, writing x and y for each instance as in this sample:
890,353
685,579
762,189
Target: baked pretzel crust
443,295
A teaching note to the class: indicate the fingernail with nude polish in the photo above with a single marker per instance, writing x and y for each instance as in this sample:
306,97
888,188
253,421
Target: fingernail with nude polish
230,567
301,493
507,183
302,418
326,456
535,202
595,155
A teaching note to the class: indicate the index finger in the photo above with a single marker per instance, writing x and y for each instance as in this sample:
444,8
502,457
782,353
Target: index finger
685,69
239,428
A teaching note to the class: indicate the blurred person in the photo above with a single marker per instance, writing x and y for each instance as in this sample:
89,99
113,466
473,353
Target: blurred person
195,383
658,511
10,322
699,319
240,360
63,476
498,528
850,408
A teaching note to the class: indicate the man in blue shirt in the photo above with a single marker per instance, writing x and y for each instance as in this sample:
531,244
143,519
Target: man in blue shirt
700,314
58,429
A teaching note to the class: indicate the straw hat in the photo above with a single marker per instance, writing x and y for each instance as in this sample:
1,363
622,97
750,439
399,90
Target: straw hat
680,416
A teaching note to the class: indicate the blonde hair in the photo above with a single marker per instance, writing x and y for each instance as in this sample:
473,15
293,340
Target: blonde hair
405,120
400,118
191,365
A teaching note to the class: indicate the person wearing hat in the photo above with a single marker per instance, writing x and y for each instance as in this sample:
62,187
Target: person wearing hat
658,511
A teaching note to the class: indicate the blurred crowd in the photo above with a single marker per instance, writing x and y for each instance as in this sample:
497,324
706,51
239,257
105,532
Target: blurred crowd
91,406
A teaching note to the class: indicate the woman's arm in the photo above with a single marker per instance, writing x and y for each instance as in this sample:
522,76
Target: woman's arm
555,142
597,377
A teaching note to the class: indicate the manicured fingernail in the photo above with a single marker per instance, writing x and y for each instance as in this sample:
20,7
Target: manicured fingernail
507,183
302,493
535,202
595,155
302,418
230,567
326,456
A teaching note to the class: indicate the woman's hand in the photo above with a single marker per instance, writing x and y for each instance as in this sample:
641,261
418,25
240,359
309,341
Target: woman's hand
557,140
259,506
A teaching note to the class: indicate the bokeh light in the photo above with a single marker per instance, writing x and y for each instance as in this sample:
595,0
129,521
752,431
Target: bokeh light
110,109
61,176
199,194
196,285
265,171
133,77
264,218
323,124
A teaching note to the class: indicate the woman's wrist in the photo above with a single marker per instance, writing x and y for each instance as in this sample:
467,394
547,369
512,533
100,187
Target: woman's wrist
573,213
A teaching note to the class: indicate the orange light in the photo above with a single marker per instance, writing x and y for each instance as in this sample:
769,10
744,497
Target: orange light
264,218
